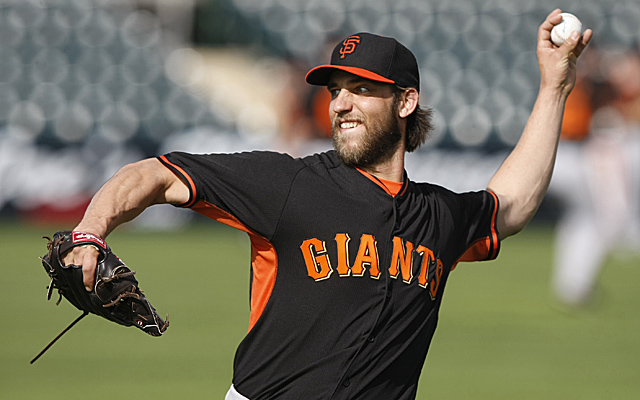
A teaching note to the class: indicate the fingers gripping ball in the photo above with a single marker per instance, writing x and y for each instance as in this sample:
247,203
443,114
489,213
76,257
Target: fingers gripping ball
563,30
115,295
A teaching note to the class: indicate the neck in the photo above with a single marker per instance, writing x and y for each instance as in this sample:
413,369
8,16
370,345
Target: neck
391,170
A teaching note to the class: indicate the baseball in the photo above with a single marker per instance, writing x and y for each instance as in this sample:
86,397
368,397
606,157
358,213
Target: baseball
561,32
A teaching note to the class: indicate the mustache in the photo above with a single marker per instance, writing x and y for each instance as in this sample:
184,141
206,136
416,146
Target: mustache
340,118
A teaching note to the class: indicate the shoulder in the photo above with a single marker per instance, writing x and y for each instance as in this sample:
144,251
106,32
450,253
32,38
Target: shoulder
246,159
436,189
328,159
426,188
451,199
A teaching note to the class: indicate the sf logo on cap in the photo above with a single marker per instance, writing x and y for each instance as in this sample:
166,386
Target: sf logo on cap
349,45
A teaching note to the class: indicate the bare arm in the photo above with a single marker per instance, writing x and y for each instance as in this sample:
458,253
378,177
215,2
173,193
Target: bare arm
131,190
522,180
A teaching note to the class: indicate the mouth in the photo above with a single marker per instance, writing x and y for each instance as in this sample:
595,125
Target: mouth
347,124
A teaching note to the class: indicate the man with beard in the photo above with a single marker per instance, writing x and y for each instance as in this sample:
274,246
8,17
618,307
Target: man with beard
349,256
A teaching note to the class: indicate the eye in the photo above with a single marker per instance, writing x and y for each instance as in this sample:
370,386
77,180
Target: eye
334,93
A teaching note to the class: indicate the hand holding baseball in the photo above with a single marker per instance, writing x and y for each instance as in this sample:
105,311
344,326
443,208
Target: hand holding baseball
561,31
558,63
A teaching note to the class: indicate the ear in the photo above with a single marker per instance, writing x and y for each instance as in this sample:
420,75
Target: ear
408,102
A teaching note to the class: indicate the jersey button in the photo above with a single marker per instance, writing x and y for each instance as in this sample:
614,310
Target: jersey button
371,339
346,383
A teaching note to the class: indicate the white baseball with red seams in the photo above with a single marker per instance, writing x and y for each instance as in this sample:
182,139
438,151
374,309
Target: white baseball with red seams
561,32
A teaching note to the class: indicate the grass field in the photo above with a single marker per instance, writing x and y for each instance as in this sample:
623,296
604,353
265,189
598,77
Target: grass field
498,337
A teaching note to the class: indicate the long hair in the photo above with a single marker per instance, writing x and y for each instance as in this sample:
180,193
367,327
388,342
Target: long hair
419,124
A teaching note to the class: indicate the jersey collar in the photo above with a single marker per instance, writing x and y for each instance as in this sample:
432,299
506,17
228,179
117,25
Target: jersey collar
392,188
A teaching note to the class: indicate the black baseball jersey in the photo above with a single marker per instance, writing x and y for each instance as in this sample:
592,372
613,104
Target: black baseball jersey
347,276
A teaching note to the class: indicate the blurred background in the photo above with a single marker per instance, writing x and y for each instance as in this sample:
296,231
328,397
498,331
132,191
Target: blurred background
97,84
87,86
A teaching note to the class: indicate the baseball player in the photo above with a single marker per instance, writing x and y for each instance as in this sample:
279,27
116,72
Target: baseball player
349,256
597,179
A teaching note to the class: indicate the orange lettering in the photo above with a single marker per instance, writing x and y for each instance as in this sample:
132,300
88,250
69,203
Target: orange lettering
367,255
342,240
427,259
402,260
349,45
318,264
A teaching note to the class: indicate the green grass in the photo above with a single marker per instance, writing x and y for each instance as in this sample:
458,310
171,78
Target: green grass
498,337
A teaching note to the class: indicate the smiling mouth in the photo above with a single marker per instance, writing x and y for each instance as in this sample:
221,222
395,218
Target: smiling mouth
349,125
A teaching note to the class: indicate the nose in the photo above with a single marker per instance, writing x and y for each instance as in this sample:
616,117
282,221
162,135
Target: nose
341,102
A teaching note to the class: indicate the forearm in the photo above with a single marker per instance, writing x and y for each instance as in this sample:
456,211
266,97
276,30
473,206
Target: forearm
522,180
131,190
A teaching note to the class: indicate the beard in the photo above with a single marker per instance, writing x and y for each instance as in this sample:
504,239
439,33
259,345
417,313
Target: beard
375,146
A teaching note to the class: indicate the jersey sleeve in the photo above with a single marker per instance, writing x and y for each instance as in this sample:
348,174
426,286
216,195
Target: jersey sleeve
477,215
252,187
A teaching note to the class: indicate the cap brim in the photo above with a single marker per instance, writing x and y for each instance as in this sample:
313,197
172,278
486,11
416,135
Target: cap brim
320,75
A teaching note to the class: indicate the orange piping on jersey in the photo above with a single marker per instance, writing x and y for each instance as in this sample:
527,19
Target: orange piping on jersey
185,176
494,229
264,260
391,187
482,248
478,250
401,187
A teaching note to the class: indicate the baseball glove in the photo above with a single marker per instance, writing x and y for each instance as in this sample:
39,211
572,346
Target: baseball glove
115,296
